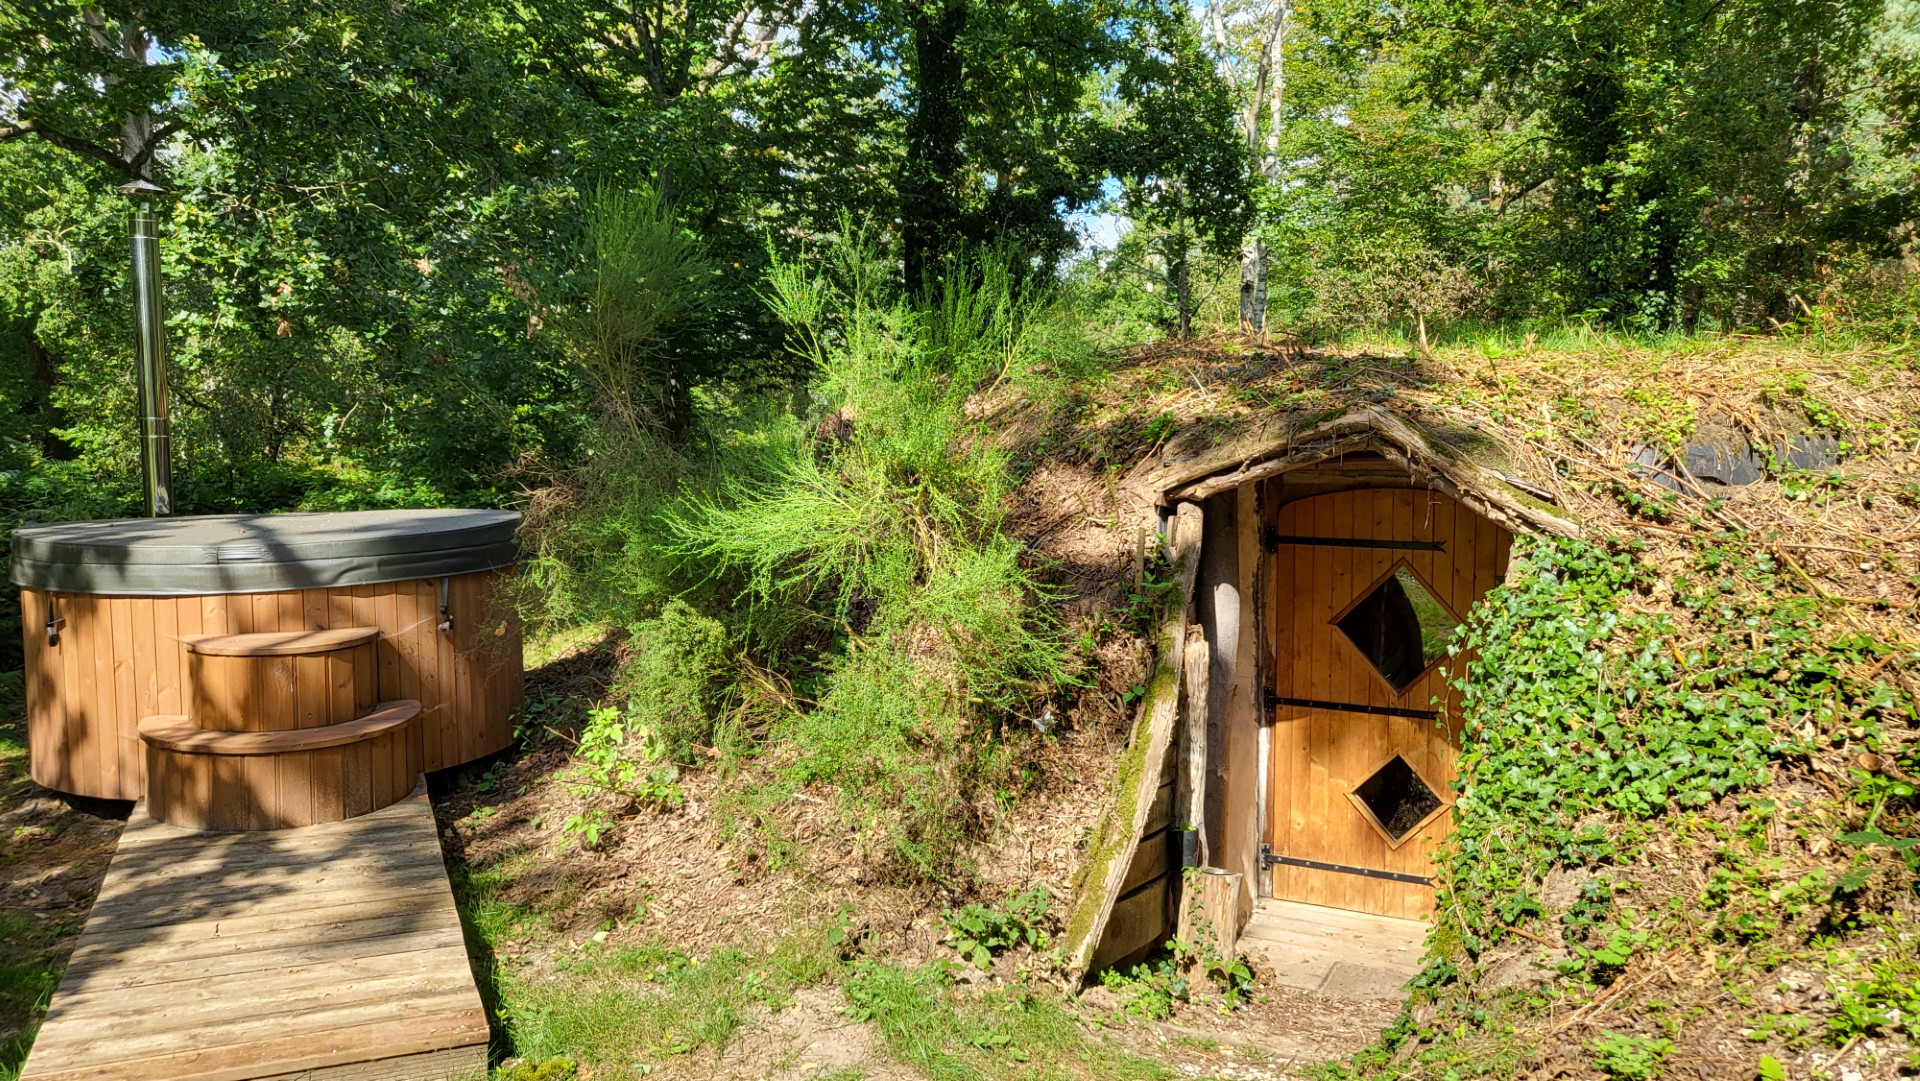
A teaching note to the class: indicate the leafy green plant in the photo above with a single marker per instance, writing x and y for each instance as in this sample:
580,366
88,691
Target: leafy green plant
1887,999
1605,961
1576,708
1148,991
979,932
1628,1057
1147,602
1230,977
615,760
1810,486
588,827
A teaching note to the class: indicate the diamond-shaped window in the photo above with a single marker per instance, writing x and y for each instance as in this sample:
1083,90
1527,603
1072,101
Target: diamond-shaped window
1400,627
1397,800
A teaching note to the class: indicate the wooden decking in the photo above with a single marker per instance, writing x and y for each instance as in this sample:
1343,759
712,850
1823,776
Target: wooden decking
1335,952
330,953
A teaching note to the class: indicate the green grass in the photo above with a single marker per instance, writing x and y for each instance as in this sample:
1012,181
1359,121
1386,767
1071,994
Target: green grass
493,920
947,1035
26,982
623,1010
1571,336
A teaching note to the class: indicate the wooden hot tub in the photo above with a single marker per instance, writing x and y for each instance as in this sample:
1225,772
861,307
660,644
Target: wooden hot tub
278,669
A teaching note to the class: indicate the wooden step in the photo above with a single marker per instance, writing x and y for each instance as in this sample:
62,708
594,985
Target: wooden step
282,679
268,780
279,643
176,733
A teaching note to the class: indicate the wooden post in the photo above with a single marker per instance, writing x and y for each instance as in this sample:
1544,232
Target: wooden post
1193,734
1210,911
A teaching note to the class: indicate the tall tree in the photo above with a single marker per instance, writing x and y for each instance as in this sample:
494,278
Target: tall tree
1250,41
1699,150
999,136
1183,167
931,179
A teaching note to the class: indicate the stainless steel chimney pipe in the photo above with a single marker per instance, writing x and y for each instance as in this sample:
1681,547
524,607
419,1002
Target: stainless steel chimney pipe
150,354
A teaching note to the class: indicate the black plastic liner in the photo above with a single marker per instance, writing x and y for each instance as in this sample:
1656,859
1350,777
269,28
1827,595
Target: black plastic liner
260,553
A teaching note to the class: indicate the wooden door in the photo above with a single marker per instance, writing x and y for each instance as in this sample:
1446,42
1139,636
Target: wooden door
1364,589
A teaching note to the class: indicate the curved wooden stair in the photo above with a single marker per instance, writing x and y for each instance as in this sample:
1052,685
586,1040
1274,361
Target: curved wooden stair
283,729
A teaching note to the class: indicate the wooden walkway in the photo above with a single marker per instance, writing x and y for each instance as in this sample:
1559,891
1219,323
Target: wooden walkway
330,953
1335,952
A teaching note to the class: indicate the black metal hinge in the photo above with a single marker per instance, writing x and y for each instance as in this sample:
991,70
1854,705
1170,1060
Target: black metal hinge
1268,859
1274,701
1272,540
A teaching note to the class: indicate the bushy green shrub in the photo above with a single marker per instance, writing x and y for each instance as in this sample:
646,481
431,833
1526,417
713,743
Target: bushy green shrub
884,534
853,544
677,681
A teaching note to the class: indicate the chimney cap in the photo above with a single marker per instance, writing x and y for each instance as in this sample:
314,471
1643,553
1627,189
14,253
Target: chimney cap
141,186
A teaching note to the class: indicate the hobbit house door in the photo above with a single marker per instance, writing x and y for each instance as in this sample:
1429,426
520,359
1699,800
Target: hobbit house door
1365,589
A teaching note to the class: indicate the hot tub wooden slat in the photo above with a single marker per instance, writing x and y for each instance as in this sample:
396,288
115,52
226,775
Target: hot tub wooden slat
331,949
97,702
127,750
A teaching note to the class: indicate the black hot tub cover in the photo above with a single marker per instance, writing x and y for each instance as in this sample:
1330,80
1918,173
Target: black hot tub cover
260,553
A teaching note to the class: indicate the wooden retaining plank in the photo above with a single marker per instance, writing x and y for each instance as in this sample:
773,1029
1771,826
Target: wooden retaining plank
332,953
1117,837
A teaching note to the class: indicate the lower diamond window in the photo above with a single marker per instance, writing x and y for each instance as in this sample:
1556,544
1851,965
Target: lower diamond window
1397,800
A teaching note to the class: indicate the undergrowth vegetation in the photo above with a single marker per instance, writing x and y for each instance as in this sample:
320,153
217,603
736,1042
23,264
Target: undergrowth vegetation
624,1010
822,592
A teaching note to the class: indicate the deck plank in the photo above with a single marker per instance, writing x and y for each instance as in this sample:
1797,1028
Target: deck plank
329,951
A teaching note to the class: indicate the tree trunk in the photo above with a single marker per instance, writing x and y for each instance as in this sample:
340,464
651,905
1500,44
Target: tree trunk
1178,252
1253,288
1259,118
927,204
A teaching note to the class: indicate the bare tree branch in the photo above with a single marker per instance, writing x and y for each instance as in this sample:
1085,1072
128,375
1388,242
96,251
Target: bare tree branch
138,163
67,142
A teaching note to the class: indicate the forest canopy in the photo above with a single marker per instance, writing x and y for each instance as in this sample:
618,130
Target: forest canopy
383,269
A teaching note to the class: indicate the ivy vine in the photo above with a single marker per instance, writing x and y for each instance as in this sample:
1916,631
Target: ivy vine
1585,714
